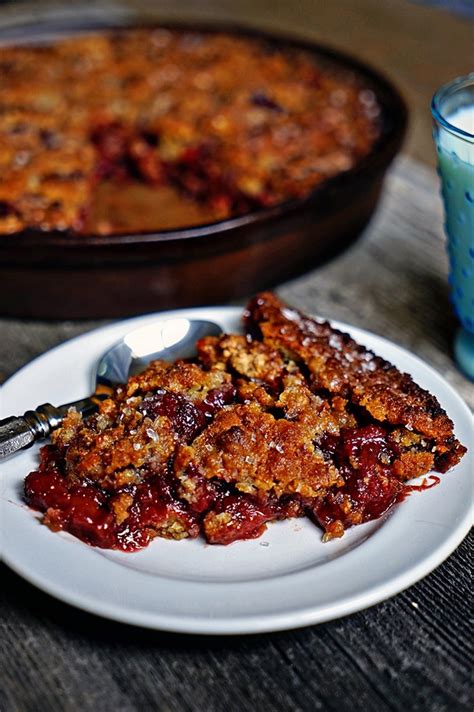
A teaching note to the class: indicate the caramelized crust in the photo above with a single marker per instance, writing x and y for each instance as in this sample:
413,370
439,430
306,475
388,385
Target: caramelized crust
338,365
250,359
292,418
259,454
186,379
134,435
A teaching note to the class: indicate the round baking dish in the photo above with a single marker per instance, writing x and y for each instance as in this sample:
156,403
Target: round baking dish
52,275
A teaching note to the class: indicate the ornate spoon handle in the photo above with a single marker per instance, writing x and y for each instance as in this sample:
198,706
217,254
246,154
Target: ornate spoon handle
19,432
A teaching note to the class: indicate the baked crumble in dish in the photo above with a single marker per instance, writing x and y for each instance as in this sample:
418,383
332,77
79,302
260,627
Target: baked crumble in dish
292,418
224,124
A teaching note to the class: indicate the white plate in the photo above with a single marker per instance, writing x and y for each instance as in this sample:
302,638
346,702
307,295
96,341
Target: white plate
285,579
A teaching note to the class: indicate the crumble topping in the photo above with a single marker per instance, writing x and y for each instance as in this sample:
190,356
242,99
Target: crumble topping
292,418
232,122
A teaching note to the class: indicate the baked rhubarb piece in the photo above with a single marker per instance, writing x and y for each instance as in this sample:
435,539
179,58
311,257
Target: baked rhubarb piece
291,418
230,122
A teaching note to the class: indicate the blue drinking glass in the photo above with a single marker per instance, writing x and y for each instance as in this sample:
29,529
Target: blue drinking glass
452,109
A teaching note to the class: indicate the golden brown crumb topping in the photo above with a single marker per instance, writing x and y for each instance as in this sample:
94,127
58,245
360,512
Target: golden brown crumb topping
338,365
290,418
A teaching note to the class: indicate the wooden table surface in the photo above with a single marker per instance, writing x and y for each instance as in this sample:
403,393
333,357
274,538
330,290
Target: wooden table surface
409,653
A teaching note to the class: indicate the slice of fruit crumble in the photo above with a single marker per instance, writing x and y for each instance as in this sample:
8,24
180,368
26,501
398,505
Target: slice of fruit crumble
291,418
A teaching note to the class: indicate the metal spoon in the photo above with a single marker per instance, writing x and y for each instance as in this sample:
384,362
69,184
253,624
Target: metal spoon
168,339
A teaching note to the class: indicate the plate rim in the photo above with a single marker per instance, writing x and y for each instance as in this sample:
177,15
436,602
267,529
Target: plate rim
248,624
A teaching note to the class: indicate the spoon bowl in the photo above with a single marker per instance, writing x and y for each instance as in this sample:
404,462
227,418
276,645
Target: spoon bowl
165,339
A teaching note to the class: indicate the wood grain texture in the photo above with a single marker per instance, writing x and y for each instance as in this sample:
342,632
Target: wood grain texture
412,652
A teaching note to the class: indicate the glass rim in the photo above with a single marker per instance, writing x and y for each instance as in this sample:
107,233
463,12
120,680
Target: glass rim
440,94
